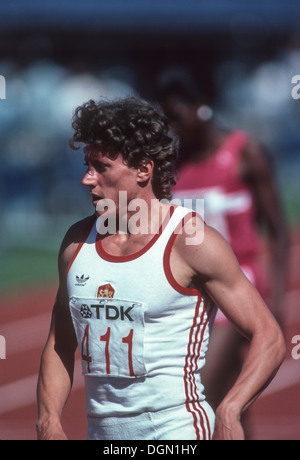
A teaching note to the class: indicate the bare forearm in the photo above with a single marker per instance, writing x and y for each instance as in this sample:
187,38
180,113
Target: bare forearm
54,386
260,366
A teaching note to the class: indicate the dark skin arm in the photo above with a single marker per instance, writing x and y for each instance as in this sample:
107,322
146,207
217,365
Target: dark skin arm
257,172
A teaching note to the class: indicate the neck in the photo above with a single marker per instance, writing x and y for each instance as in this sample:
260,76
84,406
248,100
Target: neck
205,142
136,217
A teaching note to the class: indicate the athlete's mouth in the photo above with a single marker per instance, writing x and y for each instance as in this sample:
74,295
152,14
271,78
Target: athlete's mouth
96,198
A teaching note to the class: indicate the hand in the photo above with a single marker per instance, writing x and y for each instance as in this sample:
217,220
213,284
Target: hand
228,429
48,432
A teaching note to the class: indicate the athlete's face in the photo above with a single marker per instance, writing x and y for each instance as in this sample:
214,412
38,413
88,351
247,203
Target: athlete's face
107,176
183,116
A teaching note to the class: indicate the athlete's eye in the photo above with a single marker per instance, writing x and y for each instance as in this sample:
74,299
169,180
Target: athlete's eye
100,167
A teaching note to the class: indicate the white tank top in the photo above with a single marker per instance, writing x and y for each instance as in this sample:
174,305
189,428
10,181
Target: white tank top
142,337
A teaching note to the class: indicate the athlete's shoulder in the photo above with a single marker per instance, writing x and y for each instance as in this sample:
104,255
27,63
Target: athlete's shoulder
79,228
75,235
203,248
189,232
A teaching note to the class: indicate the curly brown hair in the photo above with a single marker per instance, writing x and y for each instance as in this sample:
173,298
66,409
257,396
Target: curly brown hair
133,127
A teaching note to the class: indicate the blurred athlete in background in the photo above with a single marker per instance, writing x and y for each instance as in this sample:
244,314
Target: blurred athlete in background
231,171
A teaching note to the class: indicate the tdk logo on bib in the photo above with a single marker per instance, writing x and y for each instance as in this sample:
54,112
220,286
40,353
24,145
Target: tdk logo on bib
112,312
103,309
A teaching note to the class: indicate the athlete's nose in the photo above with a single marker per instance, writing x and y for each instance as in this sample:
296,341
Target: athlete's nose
89,178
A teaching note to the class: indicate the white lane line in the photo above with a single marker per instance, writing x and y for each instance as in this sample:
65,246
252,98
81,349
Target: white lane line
21,393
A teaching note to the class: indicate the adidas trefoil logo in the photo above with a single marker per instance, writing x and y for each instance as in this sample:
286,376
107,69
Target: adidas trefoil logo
81,280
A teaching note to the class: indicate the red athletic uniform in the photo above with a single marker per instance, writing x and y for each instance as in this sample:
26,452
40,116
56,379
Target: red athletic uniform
228,201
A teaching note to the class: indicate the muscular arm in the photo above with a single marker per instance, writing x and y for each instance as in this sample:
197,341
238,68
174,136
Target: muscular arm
242,304
56,373
214,265
57,361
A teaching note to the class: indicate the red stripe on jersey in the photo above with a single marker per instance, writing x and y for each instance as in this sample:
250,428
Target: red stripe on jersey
193,404
167,264
129,257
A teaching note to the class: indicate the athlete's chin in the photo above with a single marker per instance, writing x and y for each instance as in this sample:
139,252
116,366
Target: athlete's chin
100,210
100,213
106,215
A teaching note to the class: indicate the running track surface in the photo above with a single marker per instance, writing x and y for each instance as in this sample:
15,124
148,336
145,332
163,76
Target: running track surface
24,322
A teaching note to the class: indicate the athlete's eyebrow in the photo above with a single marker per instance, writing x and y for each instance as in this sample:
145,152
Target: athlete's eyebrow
100,161
97,163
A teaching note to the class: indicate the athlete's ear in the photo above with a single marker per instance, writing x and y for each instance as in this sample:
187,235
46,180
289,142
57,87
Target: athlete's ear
145,171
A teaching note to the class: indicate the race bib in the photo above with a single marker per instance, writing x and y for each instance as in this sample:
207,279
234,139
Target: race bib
110,334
